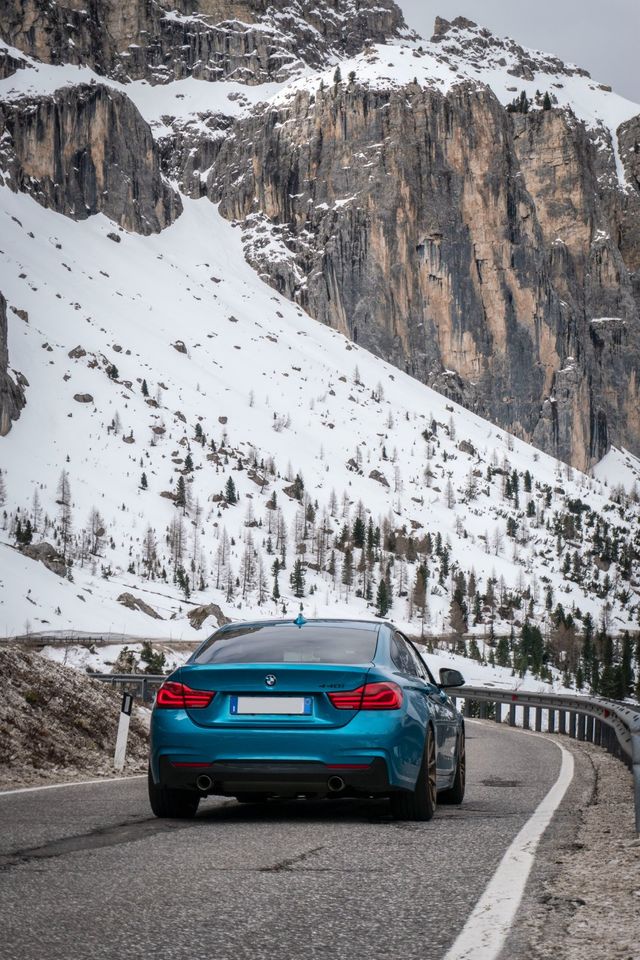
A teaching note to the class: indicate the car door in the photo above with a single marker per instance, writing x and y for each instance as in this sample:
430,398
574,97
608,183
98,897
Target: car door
443,712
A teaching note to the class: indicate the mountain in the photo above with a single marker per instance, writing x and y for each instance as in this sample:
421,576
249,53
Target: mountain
177,420
465,208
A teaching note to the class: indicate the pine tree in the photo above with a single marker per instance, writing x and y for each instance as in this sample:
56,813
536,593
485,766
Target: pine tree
145,389
337,77
230,494
298,487
474,650
112,372
275,569
625,665
181,494
143,481
503,658
358,532
382,601
188,463
546,102
297,578
347,569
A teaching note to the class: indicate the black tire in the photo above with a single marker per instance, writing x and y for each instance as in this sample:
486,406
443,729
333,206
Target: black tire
173,804
420,804
455,793
251,797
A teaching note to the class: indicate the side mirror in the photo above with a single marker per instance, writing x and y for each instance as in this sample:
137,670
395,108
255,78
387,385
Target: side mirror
451,678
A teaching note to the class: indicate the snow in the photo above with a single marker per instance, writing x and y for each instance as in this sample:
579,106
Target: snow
619,467
287,388
182,100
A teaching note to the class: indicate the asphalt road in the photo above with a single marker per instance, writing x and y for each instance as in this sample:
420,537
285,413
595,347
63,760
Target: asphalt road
86,871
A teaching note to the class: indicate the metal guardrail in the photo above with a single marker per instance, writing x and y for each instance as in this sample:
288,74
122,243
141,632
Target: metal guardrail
606,723
142,685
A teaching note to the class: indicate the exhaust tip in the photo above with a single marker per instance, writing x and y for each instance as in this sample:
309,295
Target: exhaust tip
335,784
204,782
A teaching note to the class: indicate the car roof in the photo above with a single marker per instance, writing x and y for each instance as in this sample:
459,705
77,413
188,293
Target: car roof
340,622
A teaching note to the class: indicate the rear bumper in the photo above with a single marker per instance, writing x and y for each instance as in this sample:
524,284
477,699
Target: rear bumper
277,777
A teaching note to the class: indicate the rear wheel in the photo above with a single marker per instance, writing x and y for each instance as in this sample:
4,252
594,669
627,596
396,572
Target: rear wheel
455,793
420,804
174,804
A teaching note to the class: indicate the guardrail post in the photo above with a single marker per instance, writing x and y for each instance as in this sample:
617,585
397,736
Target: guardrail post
525,718
562,721
598,732
581,726
572,724
538,719
498,716
590,729
635,760
467,707
551,723
145,690
512,714
483,710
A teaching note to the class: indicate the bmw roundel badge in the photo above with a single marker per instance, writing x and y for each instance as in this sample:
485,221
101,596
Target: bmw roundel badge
270,680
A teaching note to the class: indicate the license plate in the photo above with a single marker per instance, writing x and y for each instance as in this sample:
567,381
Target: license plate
271,706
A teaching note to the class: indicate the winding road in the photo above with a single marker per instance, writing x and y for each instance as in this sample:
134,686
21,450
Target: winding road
86,871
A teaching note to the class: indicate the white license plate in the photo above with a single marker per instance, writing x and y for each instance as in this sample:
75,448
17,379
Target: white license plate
272,706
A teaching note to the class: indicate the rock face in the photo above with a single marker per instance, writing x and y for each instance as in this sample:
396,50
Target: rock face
12,398
477,249
86,150
492,254
247,40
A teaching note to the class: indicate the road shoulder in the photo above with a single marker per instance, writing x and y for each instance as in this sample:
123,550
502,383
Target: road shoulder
582,901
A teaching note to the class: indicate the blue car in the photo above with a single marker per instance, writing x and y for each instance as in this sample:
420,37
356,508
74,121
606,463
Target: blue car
307,708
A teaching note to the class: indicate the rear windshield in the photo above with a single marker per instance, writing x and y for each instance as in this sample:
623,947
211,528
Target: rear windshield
288,643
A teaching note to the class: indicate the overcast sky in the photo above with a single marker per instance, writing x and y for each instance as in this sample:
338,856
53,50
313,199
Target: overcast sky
603,37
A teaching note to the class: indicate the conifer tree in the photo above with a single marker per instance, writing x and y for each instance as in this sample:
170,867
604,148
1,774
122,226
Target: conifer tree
230,494
382,601
297,578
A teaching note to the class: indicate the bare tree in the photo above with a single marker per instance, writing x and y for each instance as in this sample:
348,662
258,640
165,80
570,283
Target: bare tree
149,551
96,531
64,514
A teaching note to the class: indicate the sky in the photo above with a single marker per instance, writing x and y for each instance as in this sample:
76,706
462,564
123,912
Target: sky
604,38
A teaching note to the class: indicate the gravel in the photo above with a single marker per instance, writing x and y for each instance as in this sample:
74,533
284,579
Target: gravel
586,906
57,724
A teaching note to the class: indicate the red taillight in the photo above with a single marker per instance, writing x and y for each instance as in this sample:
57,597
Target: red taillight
177,696
372,696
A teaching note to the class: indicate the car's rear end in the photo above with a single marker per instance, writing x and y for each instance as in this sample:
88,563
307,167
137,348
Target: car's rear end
280,709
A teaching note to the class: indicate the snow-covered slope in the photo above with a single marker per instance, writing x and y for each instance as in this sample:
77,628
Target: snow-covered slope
254,391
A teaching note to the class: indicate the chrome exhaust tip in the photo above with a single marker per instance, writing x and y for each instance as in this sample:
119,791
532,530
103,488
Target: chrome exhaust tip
335,784
204,782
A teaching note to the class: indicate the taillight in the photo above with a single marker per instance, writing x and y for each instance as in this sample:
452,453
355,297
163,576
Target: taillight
371,696
178,696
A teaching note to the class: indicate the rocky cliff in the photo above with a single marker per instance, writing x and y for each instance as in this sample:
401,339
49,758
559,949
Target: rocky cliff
490,248
247,40
492,254
12,398
86,150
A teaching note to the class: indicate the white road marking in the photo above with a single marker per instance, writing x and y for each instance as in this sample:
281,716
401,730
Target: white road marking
72,783
484,933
